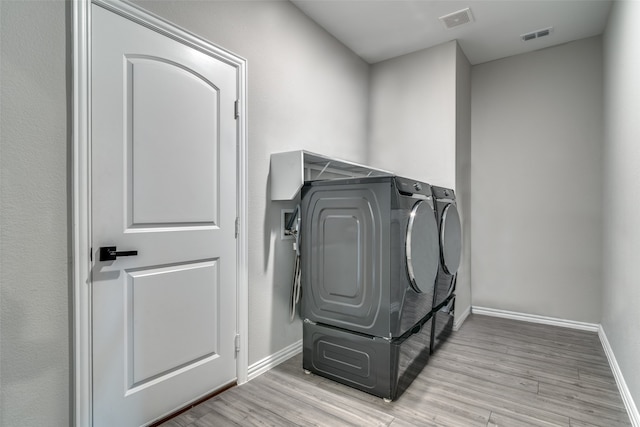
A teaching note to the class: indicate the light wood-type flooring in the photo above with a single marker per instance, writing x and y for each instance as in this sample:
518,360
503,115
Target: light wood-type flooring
492,372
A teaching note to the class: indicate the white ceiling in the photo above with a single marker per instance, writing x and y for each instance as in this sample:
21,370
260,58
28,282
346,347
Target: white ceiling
381,29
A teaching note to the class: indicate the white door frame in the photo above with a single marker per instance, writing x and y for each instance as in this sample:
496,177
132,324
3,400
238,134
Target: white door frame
81,175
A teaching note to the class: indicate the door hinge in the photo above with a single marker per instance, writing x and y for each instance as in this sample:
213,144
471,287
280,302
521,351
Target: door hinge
236,109
237,226
237,343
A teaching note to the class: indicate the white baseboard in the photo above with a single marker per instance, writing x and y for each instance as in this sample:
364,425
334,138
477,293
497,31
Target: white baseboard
629,404
534,318
457,323
274,360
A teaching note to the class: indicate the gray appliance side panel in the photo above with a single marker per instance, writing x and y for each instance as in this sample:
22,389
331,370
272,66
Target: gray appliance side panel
345,256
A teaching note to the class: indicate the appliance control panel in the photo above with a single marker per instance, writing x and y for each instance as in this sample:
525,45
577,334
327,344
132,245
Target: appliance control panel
410,186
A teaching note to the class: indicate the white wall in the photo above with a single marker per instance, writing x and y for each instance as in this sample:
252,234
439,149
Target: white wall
412,115
34,274
621,286
306,91
537,182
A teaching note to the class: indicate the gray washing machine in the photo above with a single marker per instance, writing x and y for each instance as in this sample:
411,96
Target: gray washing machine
369,258
450,236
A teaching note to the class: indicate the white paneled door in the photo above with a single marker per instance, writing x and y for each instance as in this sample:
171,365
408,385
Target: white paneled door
163,132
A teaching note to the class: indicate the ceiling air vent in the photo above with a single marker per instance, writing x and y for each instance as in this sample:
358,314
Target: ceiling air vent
536,34
456,19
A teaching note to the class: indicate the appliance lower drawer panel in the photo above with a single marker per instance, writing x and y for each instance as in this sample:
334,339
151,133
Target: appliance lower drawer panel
384,368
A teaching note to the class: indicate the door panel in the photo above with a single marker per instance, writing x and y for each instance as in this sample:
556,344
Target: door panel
161,313
159,91
163,142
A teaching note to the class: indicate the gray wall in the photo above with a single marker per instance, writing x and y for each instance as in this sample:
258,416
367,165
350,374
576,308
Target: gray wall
420,120
413,115
34,278
306,91
537,182
621,287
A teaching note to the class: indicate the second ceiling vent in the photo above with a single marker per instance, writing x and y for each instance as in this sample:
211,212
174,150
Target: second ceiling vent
536,34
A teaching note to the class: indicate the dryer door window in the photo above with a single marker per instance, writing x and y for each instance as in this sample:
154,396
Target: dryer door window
450,239
422,247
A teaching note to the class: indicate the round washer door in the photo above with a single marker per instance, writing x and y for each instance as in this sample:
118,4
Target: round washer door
450,239
422,248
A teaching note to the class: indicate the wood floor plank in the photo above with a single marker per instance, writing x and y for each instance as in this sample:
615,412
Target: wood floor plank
472,413
533,329
415,408
578,423
300,412
602,404
492,372
224,408
559,359
489,375
503,418
521,345
591,346
349,411
599,397
598,380
496,398
176,422
256,414
545,369
547,332
400,423
547,375
585,412
542,407
476,342
401,410
213,418
595,368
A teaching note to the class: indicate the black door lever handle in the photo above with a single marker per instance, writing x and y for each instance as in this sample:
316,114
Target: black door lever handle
109,253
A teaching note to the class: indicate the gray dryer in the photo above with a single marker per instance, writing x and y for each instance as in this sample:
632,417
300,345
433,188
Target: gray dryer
369,259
